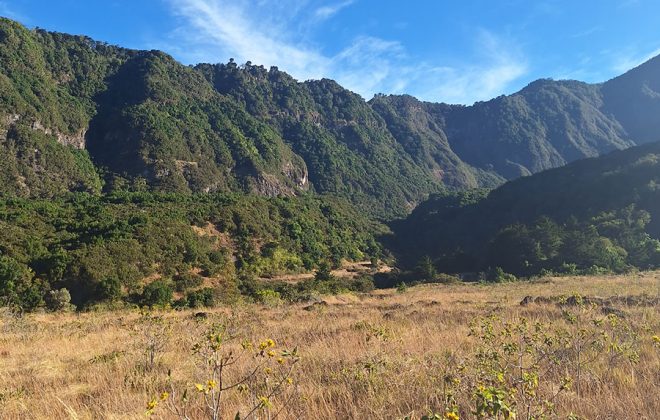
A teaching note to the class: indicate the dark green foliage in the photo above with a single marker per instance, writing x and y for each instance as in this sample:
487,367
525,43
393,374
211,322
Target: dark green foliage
598,214
18,286
80,115
201,298
323,272
187,280
103,248
109,289
157,293
426,269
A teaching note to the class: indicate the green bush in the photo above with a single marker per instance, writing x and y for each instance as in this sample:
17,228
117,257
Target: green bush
206,297
59,300
187,280
268,297
157,293
109,289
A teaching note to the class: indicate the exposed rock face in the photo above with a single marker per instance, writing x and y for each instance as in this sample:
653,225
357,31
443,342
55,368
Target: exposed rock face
297,174
77,140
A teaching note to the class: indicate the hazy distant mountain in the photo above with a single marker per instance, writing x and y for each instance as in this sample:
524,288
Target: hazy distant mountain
76,114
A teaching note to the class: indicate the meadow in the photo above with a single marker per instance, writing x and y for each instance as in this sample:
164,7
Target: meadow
579,347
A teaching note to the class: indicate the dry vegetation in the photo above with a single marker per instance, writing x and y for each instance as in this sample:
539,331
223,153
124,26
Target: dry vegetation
389,354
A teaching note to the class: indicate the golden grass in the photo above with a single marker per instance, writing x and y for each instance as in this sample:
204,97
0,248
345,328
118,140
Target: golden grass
379,355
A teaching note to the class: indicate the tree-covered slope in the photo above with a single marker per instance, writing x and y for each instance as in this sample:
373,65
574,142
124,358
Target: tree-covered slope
545,125
111,247
346,145
601,212
80,115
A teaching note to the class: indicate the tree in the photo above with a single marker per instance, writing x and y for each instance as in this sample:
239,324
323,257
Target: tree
157,293
426,269
323,273
18,286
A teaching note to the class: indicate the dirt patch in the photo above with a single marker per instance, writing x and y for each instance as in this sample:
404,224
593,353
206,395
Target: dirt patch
222,240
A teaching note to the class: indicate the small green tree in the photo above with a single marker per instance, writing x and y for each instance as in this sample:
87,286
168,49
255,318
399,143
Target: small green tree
157,293
109,289
426,269
323,273
59,300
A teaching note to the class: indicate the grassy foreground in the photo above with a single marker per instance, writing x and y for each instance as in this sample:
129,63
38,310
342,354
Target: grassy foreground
454,351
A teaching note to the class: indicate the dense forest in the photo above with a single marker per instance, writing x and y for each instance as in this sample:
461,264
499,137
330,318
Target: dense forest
600,214
81,115
129,177
102,248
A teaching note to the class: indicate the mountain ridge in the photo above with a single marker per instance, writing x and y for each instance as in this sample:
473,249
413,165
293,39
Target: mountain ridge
98,118
601,211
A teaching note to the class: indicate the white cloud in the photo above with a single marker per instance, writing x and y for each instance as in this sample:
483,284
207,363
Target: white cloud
629,60
498,64
267,32
326,12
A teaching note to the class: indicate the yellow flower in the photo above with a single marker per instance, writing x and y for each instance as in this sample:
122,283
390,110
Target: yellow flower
268,371
200,387
151,406
280,361
266,344
289,381
264,402
656,339
270,353
164,396
451,416
211,384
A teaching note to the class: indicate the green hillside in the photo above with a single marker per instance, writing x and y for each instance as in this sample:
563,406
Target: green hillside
599,213
81,115
110,248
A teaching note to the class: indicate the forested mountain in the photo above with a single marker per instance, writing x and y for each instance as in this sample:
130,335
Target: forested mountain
80,115
598,213
545,125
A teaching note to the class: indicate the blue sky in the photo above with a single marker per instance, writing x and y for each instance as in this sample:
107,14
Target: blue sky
438,50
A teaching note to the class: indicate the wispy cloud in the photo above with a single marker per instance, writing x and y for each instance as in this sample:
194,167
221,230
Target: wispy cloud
8,12
326,12
587,32
498,64
267,32
623,62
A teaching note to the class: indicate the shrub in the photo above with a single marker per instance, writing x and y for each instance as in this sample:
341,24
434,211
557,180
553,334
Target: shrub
323,273
186,280
498,275
109,289
268,297
203,297
59,300
157,293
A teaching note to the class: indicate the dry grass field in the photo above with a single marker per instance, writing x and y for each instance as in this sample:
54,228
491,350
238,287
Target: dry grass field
451,351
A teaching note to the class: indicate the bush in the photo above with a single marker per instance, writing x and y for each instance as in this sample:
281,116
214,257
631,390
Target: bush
268,297
157,293
323,273
499,276
186,280
109,289
201,298
59,300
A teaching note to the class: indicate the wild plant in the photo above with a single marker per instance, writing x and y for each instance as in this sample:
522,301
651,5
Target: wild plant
259,375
